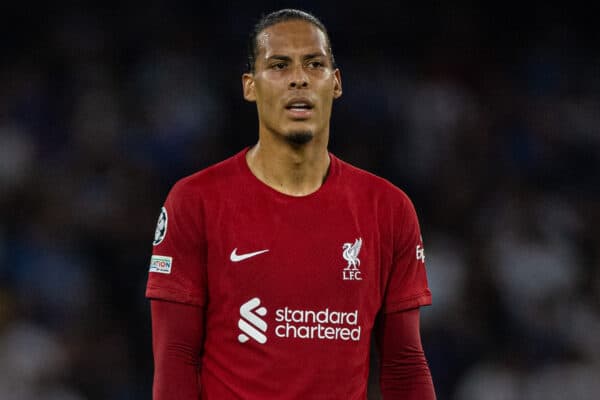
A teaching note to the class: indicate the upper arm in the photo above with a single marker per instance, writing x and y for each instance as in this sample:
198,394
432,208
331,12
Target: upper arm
406,286
178,265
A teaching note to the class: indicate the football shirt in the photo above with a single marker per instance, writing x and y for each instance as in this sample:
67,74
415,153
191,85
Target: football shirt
291,285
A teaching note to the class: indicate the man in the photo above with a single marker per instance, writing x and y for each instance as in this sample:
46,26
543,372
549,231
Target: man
270,268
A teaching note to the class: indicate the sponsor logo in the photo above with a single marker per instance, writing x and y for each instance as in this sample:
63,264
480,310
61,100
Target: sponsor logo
298,324
161,264
324,324
350,254
420,253
250,324
234,257
161,227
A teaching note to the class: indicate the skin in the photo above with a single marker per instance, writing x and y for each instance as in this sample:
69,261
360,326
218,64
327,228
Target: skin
292,63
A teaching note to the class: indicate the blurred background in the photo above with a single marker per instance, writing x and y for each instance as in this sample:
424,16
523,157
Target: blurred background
488,116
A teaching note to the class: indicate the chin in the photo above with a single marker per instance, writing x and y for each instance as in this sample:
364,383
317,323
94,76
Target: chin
299,138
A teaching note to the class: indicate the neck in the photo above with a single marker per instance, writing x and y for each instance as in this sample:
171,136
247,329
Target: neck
296,170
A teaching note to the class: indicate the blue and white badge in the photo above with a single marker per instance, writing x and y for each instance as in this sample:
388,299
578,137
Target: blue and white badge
161,227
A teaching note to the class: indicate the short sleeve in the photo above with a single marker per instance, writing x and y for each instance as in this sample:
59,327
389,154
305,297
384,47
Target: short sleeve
407,283
178,264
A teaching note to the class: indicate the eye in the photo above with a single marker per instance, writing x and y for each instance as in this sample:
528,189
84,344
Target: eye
279,66
316,64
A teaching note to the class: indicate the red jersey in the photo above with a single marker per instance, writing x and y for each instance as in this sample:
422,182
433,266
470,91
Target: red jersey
291,285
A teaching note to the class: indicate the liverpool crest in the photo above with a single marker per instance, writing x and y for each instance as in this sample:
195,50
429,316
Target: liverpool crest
350,254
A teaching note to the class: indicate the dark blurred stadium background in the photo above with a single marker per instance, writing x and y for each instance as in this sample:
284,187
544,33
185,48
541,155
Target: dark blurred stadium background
488,116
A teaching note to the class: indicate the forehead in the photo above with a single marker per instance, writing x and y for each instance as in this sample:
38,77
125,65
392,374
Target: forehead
291,37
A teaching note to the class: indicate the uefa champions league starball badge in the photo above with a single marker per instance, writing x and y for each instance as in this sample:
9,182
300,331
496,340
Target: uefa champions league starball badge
161,227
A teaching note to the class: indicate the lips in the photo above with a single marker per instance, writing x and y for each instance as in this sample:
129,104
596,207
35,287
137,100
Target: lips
299,107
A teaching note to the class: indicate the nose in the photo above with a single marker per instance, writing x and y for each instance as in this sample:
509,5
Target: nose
298,78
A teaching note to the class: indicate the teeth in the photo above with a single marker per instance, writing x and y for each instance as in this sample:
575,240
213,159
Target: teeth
299,105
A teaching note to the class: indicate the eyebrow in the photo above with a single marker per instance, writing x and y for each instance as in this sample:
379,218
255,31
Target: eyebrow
287,58
279,57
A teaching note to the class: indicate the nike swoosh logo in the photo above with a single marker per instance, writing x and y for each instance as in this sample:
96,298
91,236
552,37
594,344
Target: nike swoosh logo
241,257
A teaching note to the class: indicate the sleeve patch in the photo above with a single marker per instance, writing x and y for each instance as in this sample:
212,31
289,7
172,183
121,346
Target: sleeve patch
161,264
161,227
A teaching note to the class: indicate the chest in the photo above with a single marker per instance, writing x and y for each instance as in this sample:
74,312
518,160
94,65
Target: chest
310,256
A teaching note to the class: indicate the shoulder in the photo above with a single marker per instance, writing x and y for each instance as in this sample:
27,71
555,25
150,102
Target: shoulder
209,179
369,184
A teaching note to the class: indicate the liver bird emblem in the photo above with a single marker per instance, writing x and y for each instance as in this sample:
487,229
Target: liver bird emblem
350,254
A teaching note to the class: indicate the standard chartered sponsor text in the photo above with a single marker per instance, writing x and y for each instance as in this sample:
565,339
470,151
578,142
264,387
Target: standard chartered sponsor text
324,324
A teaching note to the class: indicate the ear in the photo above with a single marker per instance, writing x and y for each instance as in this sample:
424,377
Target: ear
337,84
248,87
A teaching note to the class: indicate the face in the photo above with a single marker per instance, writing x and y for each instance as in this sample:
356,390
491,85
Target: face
293,83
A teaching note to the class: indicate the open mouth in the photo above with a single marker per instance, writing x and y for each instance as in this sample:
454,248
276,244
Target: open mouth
299,107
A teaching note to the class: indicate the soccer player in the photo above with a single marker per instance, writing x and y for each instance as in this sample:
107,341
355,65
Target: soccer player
270,268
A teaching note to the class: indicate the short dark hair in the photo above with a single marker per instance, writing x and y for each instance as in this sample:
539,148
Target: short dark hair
287,14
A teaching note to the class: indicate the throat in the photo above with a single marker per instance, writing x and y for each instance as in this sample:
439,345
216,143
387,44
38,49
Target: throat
296,183
302,183
287,175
